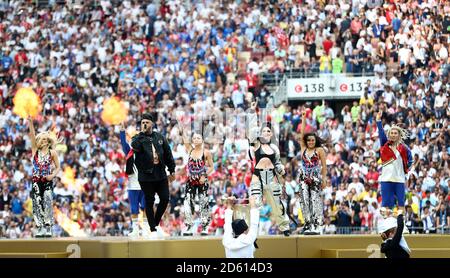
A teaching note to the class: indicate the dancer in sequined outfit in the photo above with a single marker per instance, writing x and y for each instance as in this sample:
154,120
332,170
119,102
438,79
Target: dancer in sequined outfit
44,159
311,179
268,168
200,166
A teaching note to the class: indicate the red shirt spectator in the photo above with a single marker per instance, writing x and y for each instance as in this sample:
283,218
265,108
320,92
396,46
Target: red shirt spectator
59,107
21,58
327,45
372,178
252,79
152,50
67,90
356,26
164,9
366,218
218,219
218,174
248,178
116,155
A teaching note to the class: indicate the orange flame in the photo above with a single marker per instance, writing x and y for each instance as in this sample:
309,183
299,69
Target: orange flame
27,103
71,227
114,111
68,177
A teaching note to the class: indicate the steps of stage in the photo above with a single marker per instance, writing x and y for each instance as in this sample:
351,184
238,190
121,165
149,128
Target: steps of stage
295,246
371,253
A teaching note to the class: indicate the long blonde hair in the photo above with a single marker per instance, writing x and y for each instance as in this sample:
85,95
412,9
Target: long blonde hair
404,134
51,137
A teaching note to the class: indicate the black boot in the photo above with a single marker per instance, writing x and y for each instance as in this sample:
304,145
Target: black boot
306,229
287,233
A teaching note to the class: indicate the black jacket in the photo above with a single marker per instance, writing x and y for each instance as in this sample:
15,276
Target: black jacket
142,146
391,247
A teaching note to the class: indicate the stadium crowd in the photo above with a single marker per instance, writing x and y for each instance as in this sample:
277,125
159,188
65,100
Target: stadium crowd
182,59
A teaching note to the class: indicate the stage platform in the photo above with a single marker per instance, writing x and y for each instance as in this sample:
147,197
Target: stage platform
324,246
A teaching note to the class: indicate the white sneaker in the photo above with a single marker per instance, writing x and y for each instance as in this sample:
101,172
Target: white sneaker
188,231
405,230
204,231
134,233
145,231
48,231
41,232
153,235
160,232
315,230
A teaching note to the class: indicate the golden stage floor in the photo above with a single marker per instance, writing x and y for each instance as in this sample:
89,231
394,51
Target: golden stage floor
324,246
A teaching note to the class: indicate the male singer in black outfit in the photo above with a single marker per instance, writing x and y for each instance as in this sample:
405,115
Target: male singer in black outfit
152,156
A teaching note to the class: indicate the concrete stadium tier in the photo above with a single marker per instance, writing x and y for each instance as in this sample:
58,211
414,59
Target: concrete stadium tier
332,246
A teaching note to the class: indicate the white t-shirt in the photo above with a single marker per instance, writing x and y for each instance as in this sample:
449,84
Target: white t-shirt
404,54
393,172
443,53
348,48
133,183
340,195
359,187
336,134
439,101
242,246
389,97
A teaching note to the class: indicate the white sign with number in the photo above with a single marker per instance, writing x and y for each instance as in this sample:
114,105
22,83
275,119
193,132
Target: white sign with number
330,86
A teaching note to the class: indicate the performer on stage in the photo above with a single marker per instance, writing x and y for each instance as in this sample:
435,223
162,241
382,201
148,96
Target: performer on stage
396,161
312,179
152,156
268,166
44,157
135,194
200,166
394,244
239,240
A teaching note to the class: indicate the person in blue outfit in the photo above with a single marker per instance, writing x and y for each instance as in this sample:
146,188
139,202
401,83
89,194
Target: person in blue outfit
135,194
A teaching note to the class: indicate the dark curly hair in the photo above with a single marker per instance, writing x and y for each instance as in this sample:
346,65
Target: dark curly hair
319,141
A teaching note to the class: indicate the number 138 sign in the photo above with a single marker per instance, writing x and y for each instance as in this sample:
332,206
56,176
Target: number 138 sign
331,87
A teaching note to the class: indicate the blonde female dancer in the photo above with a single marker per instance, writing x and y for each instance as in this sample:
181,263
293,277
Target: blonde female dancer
44,159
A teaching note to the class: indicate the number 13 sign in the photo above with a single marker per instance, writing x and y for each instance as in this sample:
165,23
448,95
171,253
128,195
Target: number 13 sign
341,87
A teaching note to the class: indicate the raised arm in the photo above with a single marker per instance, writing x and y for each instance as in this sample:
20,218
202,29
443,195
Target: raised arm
227,240
399,232
302,130
254,220
244,239
381,134
252,125
32,135
227,229
123,140
185,138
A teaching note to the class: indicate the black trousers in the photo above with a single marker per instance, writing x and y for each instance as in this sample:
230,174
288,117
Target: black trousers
150,188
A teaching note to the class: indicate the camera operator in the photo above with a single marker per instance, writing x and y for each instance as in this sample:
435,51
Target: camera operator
152,156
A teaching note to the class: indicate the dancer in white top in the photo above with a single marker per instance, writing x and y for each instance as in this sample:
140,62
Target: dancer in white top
239,240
